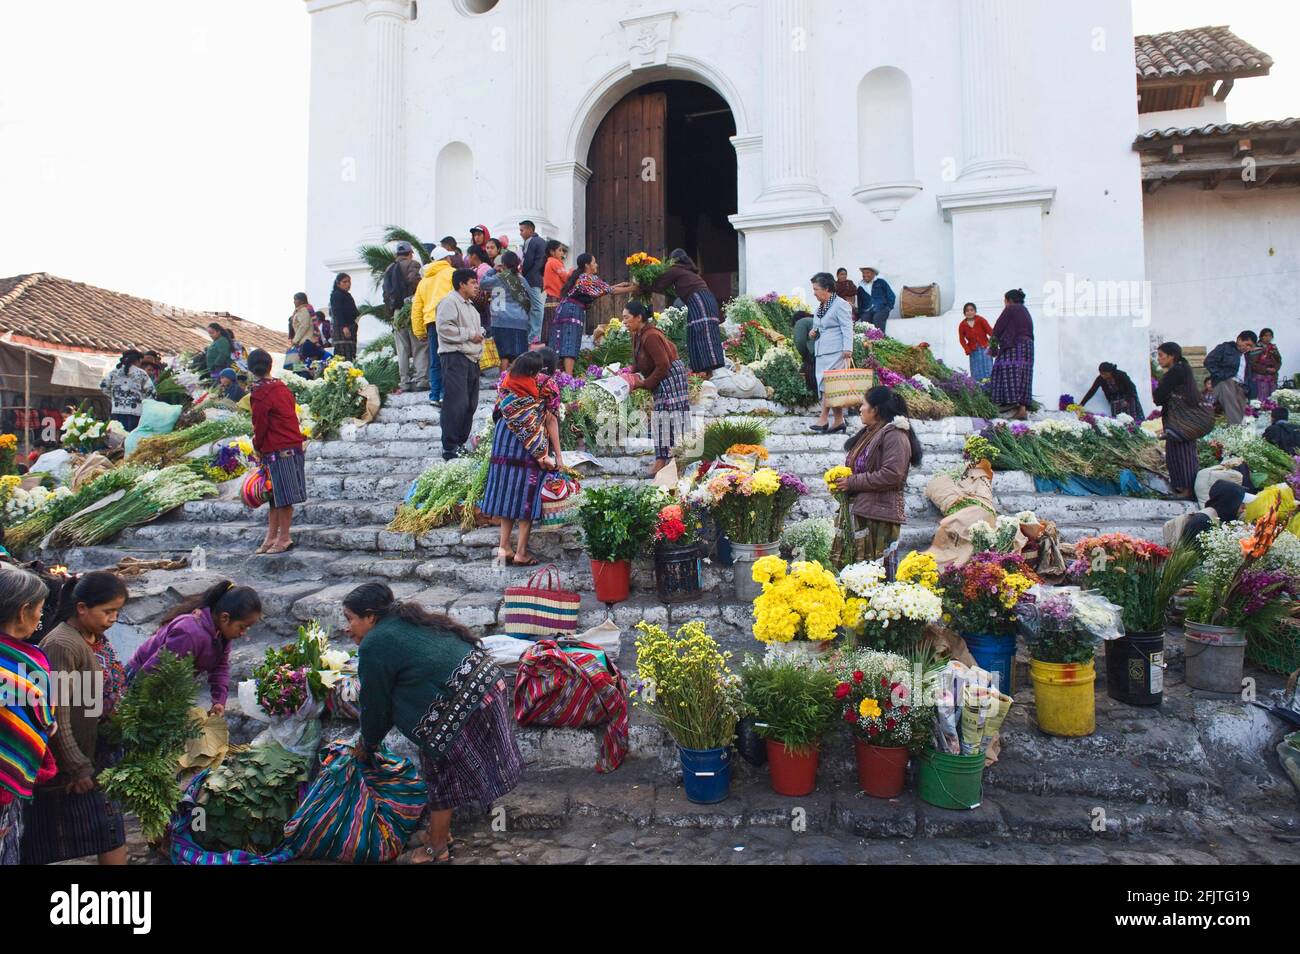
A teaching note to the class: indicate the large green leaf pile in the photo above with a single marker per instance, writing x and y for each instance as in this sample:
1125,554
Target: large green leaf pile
248,798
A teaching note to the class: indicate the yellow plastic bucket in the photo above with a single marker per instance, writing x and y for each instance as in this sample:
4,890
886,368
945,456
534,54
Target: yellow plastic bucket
1064,697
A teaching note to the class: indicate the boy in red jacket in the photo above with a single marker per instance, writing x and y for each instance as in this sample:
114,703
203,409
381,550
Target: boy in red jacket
278,442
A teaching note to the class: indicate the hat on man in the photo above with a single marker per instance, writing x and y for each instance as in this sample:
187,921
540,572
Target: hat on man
404,248
228,373
868,268
438,254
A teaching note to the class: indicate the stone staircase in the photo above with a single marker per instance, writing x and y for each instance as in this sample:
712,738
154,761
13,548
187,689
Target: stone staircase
1147,768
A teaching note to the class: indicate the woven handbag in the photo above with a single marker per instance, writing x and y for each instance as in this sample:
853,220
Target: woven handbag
257,487
845,387
1190,423
541,609
561,496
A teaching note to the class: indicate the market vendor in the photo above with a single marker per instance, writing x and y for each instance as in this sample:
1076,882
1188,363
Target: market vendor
202,628
661,372
277,438
228,385
1119,389
580,290
422,672
127,386
880,456
1011,381
703,316
1224,505
71,817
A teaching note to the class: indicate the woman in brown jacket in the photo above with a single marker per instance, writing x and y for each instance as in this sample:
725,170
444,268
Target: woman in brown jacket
71,817
880,456
654,358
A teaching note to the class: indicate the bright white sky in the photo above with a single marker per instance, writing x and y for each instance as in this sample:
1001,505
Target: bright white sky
159,147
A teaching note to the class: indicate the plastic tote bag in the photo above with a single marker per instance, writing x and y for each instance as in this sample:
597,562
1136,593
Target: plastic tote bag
357,814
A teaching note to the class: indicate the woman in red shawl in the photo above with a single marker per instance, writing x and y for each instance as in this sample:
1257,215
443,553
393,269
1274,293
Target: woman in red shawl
1012,381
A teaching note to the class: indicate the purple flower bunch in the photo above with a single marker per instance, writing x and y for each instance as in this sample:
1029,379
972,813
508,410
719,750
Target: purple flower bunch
889,378
564,380
794,483
874,334
769,299
228,459
1064,401
595,372
1056,611
1019,429
1078,569
959,383
1257,588
1294,479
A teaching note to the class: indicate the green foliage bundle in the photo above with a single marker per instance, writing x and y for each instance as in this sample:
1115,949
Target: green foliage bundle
30,531
782,373
792,700
729,431
248,798
618,522
152,723
164,449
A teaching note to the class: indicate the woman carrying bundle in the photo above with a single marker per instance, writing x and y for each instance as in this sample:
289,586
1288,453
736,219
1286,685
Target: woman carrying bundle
880,456
661,372
427,675
202,629
70,816
521,456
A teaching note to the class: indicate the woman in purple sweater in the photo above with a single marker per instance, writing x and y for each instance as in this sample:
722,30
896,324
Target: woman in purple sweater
202,629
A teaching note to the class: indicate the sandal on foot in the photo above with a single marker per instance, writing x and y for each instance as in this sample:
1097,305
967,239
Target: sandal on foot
529,560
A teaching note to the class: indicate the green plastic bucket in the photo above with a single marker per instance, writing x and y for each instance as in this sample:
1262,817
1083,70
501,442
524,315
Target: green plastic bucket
950,781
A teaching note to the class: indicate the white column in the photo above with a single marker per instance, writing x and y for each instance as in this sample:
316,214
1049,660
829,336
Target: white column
789,169
992,40
528,109
385,21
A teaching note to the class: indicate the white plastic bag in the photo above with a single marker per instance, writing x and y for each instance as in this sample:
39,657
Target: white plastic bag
740,382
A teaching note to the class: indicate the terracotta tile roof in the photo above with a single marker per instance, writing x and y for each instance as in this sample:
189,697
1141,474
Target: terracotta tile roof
47,308
1197,53
1222,129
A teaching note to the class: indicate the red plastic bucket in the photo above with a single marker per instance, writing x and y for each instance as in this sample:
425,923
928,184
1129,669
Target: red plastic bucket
613,580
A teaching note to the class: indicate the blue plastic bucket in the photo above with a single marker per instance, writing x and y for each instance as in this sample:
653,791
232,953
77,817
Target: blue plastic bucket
996,654
706,774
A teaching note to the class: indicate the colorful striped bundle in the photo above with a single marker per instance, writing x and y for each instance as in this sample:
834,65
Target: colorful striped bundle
574,687
26,715
357,814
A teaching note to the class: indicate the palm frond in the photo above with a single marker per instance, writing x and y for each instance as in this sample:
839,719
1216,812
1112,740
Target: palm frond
376,311
377,259
395,234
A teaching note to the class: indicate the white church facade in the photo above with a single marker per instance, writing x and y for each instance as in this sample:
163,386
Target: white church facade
978,144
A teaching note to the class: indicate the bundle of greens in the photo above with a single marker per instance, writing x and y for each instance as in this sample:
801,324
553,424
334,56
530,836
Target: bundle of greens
1268,463
152,722
781,372
154,493
384,344
248,798
729,431
615,347
166,449
1059,449
169,390
30,531
381,370
447,489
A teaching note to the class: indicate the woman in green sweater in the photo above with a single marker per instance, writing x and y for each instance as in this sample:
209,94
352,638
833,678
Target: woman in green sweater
426,674
217,355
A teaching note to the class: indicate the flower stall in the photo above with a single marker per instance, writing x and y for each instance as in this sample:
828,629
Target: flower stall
893,616
685,682
801,608
750,510
980,600
793,703
1141,578
883,701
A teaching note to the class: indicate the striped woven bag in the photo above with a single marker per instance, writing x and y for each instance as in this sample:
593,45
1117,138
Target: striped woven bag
574,686
541,608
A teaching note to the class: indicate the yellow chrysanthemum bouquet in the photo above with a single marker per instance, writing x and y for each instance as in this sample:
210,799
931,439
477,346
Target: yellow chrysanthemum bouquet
844,519
645,270
685,681
800,601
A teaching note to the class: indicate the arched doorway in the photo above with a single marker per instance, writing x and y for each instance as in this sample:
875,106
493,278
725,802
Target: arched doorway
663,176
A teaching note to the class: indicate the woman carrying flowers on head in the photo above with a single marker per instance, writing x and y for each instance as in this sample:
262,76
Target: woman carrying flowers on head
520,458
879,458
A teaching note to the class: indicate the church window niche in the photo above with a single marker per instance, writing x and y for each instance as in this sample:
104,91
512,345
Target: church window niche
886,169
454,192
473,8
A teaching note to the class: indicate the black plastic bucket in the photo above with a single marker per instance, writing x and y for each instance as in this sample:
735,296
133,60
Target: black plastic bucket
677,573
1135,668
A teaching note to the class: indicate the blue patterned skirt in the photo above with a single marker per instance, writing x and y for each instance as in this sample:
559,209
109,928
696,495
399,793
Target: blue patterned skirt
514,484
671,419
288,472
484,763
566,334
1012,379
981,365
510,342
703,333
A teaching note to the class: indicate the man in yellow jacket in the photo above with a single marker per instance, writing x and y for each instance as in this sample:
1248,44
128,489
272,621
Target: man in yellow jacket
433,288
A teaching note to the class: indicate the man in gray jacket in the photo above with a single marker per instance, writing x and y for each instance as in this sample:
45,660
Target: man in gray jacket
460,345
533,268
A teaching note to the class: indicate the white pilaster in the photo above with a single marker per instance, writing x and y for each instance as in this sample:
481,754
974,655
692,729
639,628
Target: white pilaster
992,121
788,146
385,22
528,114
